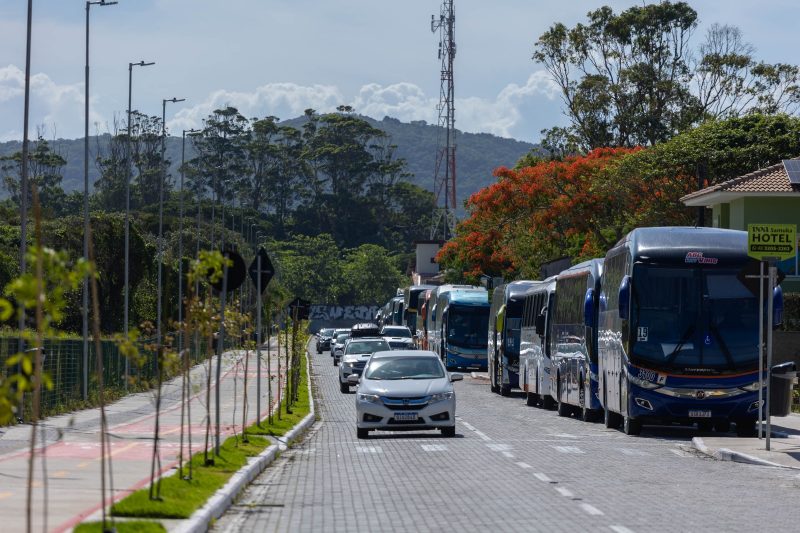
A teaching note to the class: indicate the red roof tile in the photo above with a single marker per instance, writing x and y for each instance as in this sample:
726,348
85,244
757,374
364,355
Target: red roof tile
771,179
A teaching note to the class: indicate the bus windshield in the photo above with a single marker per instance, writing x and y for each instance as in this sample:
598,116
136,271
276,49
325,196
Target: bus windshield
467,326
693,320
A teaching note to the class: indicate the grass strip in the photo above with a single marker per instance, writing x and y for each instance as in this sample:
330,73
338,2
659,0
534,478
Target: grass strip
133,526
180,498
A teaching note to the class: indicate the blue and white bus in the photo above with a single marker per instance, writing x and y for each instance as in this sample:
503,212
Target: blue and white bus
678,338
462,318
574,340
433,321
534,353
502,349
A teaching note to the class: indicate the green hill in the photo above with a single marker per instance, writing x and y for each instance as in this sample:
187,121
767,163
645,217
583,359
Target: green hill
477,154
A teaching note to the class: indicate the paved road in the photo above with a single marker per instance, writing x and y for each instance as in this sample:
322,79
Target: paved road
510,468
73,452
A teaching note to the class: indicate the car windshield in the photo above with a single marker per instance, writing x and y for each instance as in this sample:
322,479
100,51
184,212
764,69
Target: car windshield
340,338
326,332
404,367
466,326
686,318
369,347
396,331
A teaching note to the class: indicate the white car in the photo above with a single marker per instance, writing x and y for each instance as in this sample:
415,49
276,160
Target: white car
398,337
405,390
337,347
356,353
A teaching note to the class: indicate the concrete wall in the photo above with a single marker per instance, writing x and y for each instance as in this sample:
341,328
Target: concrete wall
426,252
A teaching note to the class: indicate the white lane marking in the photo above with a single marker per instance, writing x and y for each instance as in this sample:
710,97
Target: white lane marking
542,477
509,455
564,435
680,453
565,492
468,425
591,509
482,435
568,449
632,451
434,447
523,465
498,447
369,449
620,529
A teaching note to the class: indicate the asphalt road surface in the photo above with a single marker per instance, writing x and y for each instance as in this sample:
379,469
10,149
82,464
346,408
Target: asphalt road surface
510,468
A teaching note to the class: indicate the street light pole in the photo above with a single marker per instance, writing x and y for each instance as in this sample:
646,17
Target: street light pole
128,207
180,240
85,303
161,218
23,198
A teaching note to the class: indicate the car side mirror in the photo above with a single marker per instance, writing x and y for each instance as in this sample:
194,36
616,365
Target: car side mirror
455,376
625,298
588,309
353,379
540,318
777,307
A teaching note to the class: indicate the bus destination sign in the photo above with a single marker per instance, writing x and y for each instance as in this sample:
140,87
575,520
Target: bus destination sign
771,241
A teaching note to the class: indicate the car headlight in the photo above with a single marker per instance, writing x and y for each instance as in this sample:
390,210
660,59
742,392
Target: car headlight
438,397
752,387
369,398
349,364
642,383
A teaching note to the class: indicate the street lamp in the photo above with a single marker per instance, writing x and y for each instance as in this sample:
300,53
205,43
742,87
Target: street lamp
128,207
23,199
161,216
85,310
180,239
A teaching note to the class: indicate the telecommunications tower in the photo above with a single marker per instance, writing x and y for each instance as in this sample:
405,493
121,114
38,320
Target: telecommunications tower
444,178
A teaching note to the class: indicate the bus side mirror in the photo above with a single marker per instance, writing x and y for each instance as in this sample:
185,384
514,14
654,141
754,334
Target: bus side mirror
777,307
625,298
540,323
588,309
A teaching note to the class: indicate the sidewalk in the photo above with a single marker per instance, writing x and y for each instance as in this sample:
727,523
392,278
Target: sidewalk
784,444
72,452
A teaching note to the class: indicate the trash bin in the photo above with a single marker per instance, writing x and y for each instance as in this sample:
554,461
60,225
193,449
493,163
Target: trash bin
780,389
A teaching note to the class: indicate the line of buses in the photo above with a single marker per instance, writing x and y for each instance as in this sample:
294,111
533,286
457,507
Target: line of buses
663,329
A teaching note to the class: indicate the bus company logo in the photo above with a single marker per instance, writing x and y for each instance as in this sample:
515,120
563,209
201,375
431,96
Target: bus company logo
699,258
700,394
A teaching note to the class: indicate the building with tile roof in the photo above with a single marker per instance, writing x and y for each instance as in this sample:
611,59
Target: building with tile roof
765,196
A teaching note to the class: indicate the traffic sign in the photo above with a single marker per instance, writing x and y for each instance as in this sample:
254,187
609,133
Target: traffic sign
236,272
771,241
303,308
750,273
267,269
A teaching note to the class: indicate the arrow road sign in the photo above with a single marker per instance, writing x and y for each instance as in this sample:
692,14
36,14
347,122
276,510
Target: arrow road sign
267,269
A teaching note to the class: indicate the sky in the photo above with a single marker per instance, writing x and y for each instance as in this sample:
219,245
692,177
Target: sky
279,57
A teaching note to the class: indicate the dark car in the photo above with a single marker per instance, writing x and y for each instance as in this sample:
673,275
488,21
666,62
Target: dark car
324,339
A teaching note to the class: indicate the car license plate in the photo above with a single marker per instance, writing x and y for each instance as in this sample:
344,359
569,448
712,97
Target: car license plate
406,417
697,413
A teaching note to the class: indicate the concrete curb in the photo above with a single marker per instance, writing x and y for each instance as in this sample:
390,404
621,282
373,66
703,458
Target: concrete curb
216,506
725,454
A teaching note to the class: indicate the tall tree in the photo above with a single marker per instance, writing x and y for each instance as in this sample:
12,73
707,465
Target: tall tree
45,171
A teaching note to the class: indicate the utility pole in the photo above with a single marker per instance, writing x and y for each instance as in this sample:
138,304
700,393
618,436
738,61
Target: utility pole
444,180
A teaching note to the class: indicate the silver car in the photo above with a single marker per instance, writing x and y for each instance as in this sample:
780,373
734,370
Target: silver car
356,353
337,347
405,390
398,337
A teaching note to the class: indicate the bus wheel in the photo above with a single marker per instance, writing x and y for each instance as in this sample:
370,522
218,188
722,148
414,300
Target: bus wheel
532,399
610,419
746,428
631,426
548,402
587,415
563,408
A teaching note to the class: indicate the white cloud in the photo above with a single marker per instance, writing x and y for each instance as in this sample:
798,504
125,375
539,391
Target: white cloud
56,106
404,101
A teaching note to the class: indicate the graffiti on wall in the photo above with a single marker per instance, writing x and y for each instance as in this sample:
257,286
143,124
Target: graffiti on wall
343,312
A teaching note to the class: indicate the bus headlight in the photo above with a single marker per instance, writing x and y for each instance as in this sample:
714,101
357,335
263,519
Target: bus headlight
752,387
